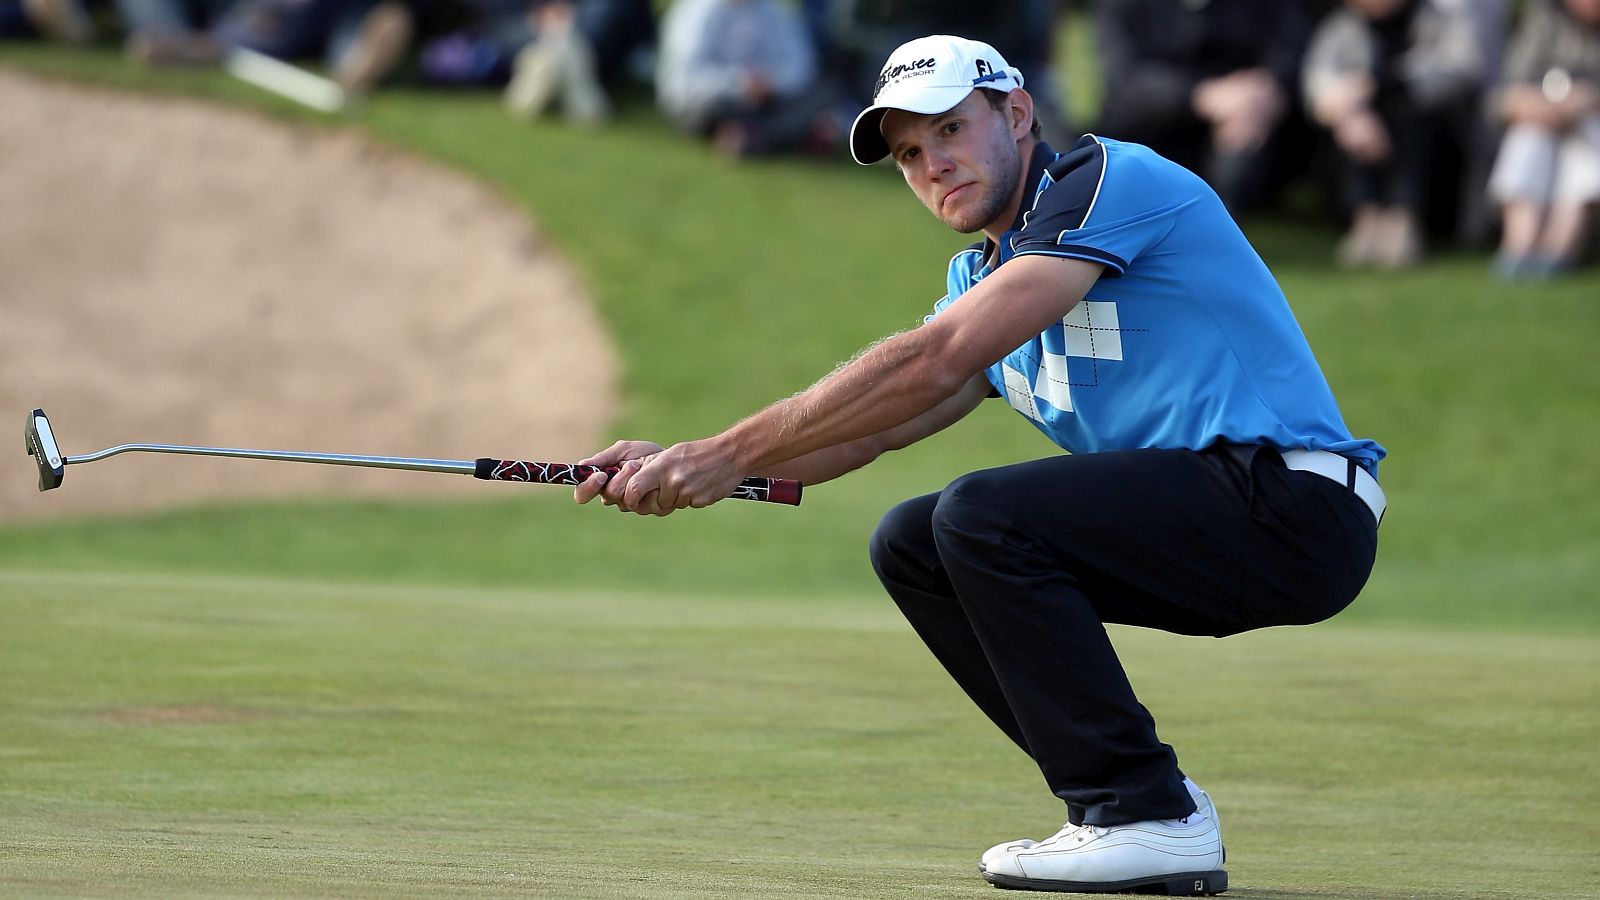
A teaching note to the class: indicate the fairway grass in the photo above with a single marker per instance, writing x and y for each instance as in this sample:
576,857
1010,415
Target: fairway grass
208,736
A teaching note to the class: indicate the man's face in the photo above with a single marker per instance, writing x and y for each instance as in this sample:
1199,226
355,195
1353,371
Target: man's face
964,165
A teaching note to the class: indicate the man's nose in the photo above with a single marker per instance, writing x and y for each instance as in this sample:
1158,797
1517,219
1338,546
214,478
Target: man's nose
936,163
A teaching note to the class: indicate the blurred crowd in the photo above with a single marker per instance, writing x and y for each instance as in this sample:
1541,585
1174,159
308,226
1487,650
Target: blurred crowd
1428,121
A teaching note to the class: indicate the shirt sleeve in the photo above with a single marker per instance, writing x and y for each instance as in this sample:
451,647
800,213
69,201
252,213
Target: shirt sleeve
1102,209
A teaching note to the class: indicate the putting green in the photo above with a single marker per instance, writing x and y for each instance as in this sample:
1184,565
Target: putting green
223,736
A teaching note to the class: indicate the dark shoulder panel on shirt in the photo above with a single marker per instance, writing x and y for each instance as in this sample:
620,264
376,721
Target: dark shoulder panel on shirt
1076,175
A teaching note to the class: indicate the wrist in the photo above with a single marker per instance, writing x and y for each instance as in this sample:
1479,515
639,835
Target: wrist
730,446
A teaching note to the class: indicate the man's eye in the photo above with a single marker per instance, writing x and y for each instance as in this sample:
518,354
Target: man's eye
952,127
909,155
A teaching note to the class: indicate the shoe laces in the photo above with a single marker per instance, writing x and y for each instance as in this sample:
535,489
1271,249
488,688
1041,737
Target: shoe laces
1068,830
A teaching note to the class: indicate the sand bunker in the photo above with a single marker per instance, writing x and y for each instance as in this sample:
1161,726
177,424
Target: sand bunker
180,272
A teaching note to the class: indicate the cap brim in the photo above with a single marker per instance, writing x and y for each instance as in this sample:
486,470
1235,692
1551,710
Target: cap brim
867,145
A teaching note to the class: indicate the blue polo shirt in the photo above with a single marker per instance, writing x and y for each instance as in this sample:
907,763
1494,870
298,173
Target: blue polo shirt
1186,338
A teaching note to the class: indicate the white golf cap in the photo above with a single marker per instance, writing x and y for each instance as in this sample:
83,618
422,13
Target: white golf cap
929,75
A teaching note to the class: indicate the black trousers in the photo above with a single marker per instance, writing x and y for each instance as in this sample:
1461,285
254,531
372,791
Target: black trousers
1009,574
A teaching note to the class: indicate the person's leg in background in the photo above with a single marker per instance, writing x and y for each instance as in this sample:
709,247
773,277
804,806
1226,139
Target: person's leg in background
1575,198
368,39
1360,186
66,21
170,32
284,29
1405,179
1522,182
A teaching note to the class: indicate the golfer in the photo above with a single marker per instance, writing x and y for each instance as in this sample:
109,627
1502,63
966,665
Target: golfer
1211,485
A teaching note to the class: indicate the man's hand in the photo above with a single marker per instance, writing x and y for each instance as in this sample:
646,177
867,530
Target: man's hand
696,473
629,455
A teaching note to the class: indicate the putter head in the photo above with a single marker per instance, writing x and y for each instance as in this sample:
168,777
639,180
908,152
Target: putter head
41,442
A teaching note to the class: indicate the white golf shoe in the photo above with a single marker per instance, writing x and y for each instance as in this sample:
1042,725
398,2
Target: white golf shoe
999,850
1178,857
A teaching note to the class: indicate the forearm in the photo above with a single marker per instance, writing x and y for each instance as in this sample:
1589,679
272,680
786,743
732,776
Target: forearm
828,463
831,462
924,375
889,385
897,391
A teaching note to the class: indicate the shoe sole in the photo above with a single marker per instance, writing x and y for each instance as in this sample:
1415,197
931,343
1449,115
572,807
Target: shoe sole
1182,884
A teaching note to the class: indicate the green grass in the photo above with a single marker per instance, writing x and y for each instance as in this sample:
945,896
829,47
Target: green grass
228,736
1488,396
516,696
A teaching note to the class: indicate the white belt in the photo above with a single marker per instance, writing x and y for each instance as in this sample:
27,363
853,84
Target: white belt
1343,470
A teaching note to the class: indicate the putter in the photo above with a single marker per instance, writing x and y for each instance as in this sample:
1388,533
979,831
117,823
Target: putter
46,453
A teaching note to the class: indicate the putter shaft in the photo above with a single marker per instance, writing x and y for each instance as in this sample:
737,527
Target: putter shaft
452,466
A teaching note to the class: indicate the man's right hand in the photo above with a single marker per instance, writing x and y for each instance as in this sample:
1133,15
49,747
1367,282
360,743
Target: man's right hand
628,455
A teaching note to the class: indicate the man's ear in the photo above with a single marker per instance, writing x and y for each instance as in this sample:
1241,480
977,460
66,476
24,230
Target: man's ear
1019,103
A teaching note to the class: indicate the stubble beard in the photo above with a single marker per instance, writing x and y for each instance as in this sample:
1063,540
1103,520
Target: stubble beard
992,203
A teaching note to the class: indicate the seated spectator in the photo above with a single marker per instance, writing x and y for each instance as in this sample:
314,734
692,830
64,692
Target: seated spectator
1389,79
66,21
1208,85
578,51
1547,174
544,51
744,73
172,32
361,40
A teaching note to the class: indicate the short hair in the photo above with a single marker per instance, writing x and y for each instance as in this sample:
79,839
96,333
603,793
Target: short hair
997,101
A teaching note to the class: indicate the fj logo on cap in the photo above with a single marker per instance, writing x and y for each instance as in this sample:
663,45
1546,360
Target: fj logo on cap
903,70
987,73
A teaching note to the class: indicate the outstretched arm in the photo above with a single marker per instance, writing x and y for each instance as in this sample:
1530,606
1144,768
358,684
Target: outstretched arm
887,386
814,467
831,462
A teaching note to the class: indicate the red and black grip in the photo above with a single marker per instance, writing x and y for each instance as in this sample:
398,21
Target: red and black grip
767,490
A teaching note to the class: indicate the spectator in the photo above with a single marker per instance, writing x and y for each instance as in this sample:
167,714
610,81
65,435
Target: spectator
362,40
1206,84
744,73
1547,174
172,32
1388,78
578,48
574,49
66,21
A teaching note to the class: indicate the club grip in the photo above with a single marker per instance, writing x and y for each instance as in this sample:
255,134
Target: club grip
766,490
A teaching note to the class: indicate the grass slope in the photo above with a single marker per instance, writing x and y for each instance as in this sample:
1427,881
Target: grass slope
228,736
731,286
